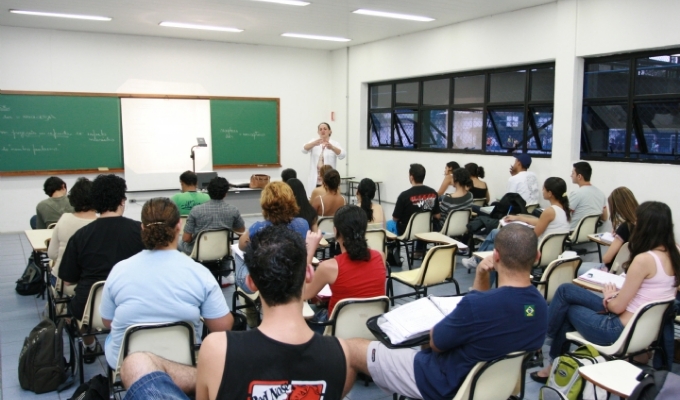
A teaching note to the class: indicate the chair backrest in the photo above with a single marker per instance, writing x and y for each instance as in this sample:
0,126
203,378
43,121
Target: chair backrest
560,271
52,225
586,226
173,341
91,316
492,380
478,202
325,225
420,222
350,316
438,265
643,328
182,222
456,223
375,238
531,207
551,247
621,257
212,245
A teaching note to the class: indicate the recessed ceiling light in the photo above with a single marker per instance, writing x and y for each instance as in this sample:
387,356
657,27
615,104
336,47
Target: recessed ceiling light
287,2
392,15
196,26
316,37
60,15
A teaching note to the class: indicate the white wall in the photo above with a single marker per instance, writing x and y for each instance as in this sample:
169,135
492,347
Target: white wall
563,32
46,60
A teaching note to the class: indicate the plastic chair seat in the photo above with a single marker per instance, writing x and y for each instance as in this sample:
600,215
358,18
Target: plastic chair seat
410,277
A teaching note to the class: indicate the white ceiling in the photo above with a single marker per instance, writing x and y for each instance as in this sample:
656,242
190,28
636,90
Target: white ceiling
263,23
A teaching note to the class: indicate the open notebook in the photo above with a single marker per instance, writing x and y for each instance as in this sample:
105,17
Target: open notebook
600,277
416,318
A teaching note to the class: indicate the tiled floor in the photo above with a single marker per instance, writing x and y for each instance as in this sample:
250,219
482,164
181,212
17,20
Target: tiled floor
19,314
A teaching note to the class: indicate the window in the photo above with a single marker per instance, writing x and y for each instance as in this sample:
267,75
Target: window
632,116
494,112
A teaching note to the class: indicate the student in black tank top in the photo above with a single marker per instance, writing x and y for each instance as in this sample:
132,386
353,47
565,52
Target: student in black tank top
282,357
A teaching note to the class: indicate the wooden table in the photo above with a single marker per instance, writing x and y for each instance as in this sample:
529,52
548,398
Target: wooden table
390,235
482,254
597,238
588,285
618,377
39,238
436,237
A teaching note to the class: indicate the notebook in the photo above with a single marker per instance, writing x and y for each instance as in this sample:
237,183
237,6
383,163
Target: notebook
416,318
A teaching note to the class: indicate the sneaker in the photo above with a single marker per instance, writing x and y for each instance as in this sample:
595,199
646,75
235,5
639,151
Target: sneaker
228,281
90,355
469,263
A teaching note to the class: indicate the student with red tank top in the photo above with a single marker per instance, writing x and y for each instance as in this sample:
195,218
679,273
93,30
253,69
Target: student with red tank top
357,272
282,358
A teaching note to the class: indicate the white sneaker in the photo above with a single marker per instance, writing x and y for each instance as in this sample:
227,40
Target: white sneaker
229,280
470,262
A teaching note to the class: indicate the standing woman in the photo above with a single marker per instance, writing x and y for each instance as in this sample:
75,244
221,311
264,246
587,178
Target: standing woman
321,151
448,177
479,188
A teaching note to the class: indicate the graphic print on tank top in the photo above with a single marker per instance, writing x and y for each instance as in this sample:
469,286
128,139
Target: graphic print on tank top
286,390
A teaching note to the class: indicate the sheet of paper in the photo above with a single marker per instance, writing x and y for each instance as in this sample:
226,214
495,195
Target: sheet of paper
487,209
601,277
446,304
236,251
503,223
607,237
325,292
413,319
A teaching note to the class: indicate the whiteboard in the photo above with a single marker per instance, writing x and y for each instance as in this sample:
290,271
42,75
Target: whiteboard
157,138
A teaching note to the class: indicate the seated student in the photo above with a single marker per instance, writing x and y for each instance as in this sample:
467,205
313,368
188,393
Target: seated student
278,208
374,212
357,272
587,199
554,219
486,325
326,205
479,189
622,207
95,248
181,289
321,189
189,198
461,199
288,174
522,181
50,210
282,356
212,215
307,212
652,273
448,177
417,198
84,213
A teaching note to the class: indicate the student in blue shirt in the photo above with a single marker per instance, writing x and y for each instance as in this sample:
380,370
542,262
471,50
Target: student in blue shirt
486,325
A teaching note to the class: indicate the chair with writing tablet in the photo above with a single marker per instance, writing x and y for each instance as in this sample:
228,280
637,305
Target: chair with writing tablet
641,333
349,317
182,222
586,226
420,222
479,202
621,257
551,247
531,207
560,271
325,225
173,341
437,268
90,325
456,222
211,248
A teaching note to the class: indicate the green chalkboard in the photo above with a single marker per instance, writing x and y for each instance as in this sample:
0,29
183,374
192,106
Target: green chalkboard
245,132
59,133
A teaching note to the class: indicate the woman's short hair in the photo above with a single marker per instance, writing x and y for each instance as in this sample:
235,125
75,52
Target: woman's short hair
160,216
332,180
79,196
278,203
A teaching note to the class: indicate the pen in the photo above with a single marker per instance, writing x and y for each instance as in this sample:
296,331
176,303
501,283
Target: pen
509,209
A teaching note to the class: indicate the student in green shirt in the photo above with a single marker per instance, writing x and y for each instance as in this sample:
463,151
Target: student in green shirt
189,197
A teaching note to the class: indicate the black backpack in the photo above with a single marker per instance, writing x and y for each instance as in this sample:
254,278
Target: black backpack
31,281
42,366
96,388
510,203
660,385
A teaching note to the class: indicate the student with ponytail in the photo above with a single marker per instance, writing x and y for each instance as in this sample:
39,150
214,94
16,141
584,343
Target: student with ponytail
357,272
374,212
160,284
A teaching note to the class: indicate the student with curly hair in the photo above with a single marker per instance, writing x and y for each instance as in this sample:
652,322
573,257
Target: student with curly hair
93,250
182,289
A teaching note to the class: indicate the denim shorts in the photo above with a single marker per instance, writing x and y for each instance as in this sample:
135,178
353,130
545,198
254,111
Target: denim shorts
156,385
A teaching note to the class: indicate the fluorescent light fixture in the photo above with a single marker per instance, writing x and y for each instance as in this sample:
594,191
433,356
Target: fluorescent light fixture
287,2
60,15
316,37
392,15
201,27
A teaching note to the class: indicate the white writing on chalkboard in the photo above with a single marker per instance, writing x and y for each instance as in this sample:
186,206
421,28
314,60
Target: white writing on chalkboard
228,133
32,149
93,136
231,133
4,108
42,117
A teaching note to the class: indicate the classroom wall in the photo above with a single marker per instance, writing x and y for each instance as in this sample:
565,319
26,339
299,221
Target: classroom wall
564,32
48,60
